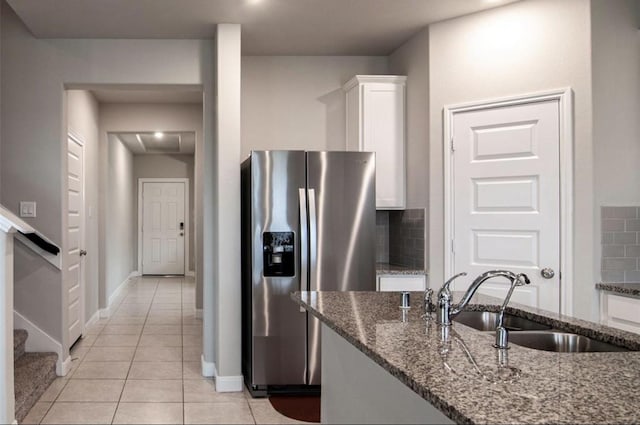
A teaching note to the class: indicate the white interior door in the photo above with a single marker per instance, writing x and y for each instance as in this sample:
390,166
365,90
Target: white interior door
506,198
163,228
75,238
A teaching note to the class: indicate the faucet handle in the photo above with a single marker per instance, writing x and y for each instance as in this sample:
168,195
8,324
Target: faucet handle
428,301
522,279
445,287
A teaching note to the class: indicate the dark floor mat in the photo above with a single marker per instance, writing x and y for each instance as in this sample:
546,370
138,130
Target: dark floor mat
302,408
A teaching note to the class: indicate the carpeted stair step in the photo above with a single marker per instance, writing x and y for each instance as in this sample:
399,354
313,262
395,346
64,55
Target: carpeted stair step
33,374
19,338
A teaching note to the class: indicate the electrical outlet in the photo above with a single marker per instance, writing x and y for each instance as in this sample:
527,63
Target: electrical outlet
27,209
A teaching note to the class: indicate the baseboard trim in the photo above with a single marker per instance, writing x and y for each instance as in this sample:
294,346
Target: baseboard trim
39,341
198,313
62,368
93,319
208,368
105,313
228,384
224,384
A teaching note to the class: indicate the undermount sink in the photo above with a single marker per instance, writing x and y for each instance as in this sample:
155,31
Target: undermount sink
487,320
561,342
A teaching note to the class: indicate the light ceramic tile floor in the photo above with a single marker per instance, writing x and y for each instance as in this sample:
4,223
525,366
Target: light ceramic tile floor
142,366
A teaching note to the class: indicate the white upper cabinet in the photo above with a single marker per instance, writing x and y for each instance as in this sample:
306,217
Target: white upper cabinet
376,123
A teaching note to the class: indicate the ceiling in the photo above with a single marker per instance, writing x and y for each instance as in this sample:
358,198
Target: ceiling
269,27
144,143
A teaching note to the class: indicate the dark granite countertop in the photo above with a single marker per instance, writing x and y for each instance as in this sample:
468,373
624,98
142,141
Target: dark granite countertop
536,387
629,288
389,269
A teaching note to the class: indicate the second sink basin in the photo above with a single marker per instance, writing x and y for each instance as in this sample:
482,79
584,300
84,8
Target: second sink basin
561,342
487,320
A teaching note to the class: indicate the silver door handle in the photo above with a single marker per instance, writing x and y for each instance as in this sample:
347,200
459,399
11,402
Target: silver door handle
547,273
313,240
83,252
304,242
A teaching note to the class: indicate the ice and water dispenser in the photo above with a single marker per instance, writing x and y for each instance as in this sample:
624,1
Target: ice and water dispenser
278,254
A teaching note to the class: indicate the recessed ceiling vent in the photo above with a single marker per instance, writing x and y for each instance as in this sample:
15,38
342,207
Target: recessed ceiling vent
168,143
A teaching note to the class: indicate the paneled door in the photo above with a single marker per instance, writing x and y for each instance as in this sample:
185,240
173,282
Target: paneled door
163,228
75,238
506,198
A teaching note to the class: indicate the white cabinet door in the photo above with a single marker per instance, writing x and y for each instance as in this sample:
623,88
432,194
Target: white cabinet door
376,123
390,283
620,312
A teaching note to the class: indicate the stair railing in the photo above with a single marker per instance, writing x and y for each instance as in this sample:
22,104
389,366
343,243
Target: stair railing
10,225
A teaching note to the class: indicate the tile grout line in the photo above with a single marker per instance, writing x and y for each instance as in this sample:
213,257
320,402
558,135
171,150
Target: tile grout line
113,418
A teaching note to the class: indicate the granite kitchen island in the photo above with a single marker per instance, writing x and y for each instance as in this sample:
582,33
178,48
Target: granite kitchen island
431,377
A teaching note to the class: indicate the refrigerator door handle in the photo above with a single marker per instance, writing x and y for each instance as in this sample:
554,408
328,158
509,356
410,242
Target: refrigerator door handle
304,243
313,240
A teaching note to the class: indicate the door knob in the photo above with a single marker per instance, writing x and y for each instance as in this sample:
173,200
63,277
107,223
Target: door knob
83,252
547,273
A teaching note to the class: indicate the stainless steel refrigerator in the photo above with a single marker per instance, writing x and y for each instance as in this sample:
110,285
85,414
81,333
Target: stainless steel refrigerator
308,224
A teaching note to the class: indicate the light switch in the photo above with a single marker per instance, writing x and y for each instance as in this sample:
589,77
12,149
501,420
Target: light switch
27,209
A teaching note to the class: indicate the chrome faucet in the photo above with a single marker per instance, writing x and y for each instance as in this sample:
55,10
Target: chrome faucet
502,335
447,311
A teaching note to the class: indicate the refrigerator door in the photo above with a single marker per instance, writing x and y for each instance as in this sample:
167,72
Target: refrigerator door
278,327
342,231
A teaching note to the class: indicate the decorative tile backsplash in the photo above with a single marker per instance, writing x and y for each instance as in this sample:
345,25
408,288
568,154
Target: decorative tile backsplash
620,244
382,236
400,237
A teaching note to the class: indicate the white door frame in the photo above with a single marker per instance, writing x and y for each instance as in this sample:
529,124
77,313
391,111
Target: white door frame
564,96
83,236
187,220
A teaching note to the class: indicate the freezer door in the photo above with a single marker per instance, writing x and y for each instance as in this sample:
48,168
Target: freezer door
278,326
342,225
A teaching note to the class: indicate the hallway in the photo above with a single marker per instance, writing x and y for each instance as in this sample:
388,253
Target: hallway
142,365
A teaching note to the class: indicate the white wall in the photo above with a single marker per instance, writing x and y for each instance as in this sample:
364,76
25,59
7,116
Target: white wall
297,102
519,48
132,117
412,59
616,106
34,75
119,211
82,122
170,166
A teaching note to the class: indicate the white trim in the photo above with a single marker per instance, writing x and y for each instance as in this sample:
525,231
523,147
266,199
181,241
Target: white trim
105,313
63,368
9,220
208,368
362,79
187,217
93,319
224,384
41,342
198,313
53,259
190,273
564,96
228,384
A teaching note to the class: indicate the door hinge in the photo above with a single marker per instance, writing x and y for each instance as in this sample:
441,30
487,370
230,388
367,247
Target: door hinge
453,149
453,246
